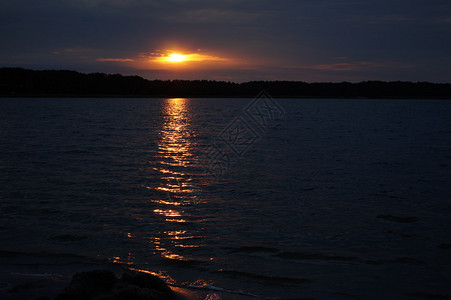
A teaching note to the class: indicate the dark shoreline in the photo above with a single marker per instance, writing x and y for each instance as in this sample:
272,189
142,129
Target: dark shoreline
23,83
107,282
206,97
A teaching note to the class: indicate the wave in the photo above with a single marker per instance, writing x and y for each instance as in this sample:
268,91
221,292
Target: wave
265,278
322,257
208,287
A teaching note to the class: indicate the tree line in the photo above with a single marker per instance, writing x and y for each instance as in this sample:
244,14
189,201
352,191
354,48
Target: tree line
19,82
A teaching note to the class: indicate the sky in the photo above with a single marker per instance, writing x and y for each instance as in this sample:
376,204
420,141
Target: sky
232,40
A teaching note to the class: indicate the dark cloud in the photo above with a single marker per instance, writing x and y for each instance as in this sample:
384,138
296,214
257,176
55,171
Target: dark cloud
326,40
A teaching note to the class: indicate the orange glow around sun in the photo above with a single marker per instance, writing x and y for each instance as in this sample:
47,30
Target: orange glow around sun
170,57
176,57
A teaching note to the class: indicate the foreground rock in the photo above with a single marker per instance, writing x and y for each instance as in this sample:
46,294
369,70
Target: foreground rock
104,285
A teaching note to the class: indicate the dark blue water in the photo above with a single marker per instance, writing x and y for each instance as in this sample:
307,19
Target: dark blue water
326,199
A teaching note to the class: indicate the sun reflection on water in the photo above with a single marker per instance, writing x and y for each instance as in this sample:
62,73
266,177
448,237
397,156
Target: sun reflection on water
175,151
174,164
174,199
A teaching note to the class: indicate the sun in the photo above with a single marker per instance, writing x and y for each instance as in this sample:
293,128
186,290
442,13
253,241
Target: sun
176,57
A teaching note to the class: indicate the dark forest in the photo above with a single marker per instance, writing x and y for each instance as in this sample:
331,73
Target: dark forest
18,82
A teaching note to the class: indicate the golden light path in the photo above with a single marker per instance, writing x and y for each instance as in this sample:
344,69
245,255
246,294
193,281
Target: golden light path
174,156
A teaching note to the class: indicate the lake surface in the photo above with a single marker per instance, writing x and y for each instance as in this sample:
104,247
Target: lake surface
276,198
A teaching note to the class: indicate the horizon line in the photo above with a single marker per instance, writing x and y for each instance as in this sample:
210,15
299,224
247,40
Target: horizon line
226,81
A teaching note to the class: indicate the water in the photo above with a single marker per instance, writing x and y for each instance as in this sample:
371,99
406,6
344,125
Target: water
331,199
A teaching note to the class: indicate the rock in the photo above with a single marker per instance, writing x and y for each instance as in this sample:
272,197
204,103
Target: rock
88,285
133,292
148,281
104,285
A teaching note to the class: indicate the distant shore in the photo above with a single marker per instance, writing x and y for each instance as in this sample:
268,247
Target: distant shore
18,82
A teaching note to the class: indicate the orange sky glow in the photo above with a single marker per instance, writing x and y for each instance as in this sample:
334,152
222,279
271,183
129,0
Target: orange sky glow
240,41
170,58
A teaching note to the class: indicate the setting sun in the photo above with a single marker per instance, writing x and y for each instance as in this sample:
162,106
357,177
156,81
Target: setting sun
179,59
175,57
